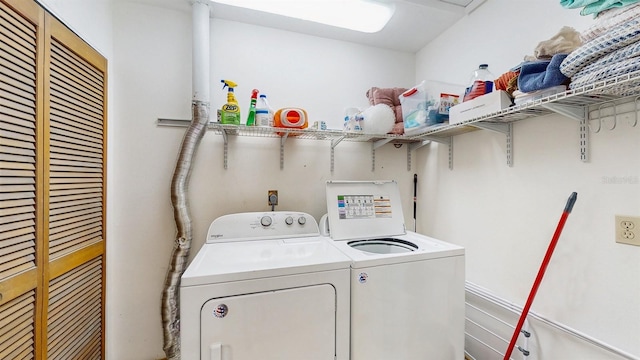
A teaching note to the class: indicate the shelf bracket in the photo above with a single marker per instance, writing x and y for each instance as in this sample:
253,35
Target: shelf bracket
283,139
581,114
572,112
502,128
584,137
173,122
225,151
414,146
446,141
374,146
334,143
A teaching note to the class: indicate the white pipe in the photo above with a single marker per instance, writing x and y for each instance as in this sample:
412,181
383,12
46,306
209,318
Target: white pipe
201,54
170,309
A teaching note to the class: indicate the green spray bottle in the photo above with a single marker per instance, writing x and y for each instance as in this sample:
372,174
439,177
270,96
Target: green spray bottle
251,119
230,112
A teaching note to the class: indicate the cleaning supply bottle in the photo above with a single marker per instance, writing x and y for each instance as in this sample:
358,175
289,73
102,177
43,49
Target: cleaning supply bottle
481,83
230,112
251,119
264,112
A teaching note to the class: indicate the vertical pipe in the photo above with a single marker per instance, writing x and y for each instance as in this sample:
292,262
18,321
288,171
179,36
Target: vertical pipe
201,54
170,304
415,199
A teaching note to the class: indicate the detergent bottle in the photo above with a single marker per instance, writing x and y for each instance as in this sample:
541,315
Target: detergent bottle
251,119
481,83
264,113
230,112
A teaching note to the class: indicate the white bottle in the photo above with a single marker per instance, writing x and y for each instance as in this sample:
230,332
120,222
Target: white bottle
264,113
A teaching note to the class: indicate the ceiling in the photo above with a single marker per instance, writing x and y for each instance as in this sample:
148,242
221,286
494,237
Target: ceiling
414,24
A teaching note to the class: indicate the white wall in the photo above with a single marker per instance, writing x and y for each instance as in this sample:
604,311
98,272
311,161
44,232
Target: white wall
505,217
152,60
92,20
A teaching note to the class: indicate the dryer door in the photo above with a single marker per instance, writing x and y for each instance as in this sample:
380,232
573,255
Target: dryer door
296,323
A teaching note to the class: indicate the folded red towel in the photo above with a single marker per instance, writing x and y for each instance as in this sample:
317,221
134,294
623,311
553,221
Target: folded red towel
503,82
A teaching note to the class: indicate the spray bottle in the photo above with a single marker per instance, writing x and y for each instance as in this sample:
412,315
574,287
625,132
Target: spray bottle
230,112
251,119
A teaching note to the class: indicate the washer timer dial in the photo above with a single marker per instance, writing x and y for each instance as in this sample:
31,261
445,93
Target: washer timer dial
266,221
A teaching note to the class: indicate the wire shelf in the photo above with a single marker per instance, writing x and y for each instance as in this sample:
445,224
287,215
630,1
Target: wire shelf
590,96
271,132
597,100
313,134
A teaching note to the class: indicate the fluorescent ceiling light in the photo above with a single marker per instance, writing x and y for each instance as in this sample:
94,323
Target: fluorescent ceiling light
360,15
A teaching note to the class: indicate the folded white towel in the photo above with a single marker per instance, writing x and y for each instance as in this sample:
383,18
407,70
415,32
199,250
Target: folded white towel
609,19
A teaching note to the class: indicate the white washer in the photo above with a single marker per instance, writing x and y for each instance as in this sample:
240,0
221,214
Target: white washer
265,286
407,289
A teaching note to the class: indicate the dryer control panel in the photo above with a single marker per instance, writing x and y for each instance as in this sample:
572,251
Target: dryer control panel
262,226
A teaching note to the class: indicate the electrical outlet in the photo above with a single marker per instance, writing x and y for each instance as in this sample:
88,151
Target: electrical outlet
628,230
272,197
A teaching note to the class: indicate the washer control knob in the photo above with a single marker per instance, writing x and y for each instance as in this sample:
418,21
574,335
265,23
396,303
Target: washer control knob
302,220
266,221
288,220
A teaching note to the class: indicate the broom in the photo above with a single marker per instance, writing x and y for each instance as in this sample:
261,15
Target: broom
543,268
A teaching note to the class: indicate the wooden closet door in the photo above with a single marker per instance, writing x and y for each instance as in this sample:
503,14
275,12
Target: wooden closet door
52,188
75,195
21,179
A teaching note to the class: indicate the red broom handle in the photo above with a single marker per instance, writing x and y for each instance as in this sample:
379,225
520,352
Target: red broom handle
543,268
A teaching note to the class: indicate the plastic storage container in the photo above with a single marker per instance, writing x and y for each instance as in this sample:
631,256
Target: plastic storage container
415,109
481,83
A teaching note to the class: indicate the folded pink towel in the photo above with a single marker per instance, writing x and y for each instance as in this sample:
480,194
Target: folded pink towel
391,97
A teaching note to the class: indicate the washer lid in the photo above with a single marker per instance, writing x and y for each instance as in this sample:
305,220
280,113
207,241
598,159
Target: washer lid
364,209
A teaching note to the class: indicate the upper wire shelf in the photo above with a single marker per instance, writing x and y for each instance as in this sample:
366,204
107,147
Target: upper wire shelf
264,131
588,97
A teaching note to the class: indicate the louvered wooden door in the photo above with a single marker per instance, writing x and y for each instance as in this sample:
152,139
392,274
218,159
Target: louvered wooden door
52,188
20,270
75,196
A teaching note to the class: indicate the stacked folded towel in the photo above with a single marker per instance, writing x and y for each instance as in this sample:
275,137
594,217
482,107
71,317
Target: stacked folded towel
595,7
528,80
611,48
539,75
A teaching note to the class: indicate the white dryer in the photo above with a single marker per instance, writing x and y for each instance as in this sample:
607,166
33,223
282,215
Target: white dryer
407,289
265,286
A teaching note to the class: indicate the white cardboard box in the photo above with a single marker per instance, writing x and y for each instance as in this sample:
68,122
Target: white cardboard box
482,105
